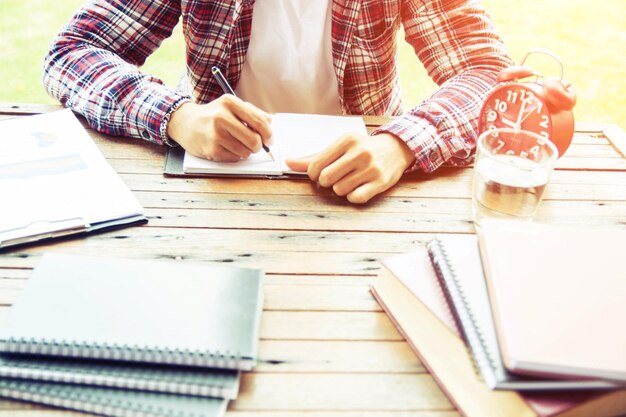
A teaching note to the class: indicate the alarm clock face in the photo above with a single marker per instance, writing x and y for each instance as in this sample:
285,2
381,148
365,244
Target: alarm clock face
515,106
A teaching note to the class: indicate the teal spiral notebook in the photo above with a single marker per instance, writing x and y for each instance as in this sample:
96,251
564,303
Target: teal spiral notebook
111,402
185,380
148,311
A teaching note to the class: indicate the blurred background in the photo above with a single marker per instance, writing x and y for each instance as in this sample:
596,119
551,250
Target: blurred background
589,37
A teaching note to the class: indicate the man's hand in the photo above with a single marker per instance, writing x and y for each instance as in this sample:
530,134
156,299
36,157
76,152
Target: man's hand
227,129
358,166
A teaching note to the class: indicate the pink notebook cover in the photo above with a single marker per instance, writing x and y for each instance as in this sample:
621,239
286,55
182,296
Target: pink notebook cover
414,270
559,298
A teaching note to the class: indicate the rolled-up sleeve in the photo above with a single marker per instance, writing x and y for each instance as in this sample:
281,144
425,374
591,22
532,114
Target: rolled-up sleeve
93,65
461,51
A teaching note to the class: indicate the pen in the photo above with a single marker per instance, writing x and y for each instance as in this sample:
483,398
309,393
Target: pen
226,88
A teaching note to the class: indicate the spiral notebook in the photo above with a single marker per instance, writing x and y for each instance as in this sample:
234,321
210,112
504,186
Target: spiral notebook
457,264
456,261
138,311
111,402
185,380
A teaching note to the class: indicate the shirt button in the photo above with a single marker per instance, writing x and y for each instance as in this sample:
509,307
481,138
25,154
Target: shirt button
433,156
145,134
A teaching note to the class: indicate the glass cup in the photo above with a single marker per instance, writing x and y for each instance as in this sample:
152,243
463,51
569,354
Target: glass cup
511,171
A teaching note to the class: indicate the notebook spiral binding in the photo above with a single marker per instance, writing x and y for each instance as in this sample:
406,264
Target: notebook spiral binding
119,376
130,353
463,316
89,402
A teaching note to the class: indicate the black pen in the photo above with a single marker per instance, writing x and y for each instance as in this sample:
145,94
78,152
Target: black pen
227,89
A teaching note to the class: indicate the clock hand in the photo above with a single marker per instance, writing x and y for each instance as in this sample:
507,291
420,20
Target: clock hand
508,122
527,114
518,122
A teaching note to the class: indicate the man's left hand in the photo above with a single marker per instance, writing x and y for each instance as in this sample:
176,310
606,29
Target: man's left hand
358,166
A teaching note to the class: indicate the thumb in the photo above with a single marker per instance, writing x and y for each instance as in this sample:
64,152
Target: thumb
299,164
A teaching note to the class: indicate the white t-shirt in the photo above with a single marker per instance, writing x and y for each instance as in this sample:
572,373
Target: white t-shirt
289,63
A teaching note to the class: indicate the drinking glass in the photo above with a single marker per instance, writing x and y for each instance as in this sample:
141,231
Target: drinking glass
511,171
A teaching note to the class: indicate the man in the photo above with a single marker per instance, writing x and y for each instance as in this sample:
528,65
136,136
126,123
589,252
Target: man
305,56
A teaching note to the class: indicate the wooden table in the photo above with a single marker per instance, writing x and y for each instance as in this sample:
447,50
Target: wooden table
336,353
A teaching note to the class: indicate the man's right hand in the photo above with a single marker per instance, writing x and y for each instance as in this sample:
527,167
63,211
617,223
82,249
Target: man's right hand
226,129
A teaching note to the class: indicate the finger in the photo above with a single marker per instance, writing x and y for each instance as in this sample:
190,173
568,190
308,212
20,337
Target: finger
299,164
255,118
242,133
224,155
366,192
262,123
235,147
352,181
351,161
329,155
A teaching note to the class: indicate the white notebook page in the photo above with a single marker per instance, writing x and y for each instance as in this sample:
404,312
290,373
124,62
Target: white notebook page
294,136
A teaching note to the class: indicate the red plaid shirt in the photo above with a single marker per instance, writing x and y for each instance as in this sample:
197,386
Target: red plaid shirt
92,66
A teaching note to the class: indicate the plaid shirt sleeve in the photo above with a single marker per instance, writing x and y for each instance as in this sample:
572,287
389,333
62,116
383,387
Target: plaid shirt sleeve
92,67
456,42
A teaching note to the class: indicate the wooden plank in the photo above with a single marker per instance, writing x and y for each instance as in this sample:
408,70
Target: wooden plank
387,413
393,206
277,297
16,410
324,263
308,220
362,326
563,185
27,108
617,137
333,392
304,325
294,356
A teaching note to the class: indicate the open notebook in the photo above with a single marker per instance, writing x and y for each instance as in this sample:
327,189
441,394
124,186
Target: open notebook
55,182
149,311
294,136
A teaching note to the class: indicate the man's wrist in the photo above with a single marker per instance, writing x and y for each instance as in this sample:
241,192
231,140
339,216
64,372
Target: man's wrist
173,122
407,155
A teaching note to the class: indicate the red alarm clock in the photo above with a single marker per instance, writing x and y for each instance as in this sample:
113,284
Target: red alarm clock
540,105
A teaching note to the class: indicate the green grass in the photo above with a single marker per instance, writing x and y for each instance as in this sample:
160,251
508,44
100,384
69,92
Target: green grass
590,38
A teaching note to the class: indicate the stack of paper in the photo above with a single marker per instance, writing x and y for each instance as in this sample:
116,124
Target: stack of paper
54,181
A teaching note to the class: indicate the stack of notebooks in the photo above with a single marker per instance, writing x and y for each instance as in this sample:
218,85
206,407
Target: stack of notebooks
121,337
524,319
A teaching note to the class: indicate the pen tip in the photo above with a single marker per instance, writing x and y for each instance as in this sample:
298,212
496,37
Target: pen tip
270,155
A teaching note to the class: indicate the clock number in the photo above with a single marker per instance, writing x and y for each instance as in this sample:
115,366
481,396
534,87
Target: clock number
500,145
494,133
544,121
526,95
492,116
501,105
511,96
535,151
